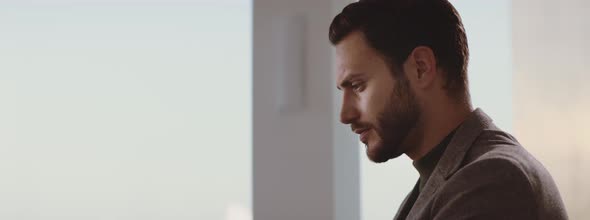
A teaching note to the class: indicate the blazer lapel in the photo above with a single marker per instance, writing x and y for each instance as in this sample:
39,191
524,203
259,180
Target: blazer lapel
407,204
451,159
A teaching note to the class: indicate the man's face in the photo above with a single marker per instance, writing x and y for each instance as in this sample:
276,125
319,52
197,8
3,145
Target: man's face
380,108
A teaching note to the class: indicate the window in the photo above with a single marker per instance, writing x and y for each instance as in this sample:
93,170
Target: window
125,109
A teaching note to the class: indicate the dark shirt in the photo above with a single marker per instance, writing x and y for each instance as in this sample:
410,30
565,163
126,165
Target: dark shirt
425,167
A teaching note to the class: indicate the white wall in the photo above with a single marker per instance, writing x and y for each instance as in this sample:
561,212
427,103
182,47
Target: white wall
305,163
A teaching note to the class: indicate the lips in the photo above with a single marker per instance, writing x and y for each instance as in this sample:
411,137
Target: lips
364,136
363,133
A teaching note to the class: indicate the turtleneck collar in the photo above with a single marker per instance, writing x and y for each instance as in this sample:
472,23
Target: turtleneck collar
427,164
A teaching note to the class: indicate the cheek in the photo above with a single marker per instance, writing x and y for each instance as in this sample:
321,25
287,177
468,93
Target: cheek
369,109
374,106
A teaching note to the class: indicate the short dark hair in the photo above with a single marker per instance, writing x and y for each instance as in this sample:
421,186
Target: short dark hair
395,27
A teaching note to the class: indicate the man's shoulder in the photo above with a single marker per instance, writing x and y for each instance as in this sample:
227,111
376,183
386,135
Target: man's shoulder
498,186
495,150
499,170
496,162
496,169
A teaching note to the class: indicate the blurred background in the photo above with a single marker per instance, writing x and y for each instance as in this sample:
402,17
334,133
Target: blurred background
227,109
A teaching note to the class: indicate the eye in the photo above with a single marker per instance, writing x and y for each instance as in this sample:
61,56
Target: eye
357,86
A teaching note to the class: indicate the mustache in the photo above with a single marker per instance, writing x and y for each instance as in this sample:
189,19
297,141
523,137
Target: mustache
359,126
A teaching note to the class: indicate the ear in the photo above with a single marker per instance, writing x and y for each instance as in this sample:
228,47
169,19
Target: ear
421,67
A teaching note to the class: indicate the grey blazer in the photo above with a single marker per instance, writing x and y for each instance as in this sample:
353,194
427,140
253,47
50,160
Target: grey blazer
485,174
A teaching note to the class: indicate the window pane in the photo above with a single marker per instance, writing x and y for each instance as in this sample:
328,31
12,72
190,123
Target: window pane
551,60
125,110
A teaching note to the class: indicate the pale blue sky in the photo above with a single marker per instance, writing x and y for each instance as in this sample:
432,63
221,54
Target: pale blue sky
122,109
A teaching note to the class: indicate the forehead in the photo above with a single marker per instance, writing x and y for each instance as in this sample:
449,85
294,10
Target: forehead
355,56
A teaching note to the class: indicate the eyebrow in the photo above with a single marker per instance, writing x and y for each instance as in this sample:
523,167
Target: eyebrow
346,82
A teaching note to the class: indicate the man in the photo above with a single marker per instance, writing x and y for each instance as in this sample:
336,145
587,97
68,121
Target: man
402,70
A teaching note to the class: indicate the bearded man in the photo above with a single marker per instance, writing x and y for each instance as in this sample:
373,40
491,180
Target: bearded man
402,70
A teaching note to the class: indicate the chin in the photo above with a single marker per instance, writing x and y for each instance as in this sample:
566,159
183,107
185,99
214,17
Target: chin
379,153
377,158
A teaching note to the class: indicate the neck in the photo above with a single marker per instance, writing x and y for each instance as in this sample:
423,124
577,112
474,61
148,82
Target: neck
433,126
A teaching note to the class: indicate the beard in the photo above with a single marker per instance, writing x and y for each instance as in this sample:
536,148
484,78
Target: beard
395,122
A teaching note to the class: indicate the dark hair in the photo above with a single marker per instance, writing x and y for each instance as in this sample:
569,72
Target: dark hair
395,27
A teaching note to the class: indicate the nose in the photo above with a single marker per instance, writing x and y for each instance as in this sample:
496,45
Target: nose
348,111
